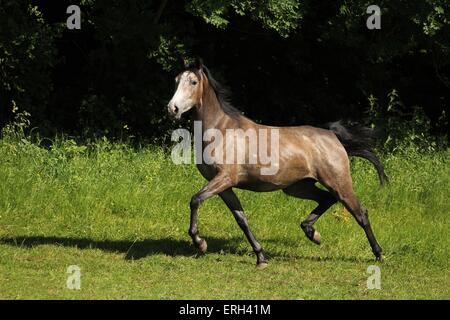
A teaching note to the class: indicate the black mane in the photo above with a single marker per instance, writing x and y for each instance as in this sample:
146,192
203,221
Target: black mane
221,92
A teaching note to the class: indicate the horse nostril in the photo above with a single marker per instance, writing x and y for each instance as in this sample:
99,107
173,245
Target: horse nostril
175,109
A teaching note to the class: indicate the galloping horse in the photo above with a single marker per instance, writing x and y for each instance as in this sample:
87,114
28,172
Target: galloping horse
306,155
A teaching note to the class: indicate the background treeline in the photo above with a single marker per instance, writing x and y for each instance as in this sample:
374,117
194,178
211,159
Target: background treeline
287,62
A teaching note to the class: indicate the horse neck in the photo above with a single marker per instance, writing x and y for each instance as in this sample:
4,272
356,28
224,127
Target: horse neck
210,112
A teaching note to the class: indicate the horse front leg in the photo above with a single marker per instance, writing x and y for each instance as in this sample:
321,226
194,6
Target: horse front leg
218,184
233,203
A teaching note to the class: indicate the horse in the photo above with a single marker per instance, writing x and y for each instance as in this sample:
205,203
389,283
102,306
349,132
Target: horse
306,156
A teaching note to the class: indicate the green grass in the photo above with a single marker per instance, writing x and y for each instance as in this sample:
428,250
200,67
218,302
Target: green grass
122,216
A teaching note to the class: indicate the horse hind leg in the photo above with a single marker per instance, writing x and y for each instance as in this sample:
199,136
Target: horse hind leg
306,189
348,198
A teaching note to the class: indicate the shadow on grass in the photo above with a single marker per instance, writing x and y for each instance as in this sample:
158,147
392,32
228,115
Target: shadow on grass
321,256
134,250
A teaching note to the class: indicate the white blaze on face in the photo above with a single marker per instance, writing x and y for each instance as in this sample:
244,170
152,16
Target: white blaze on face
185,96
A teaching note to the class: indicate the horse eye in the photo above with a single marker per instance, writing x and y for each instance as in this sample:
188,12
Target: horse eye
193,82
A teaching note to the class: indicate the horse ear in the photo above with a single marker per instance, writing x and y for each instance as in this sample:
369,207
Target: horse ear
199,63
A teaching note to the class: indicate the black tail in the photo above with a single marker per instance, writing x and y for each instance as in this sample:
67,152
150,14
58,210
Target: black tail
358,142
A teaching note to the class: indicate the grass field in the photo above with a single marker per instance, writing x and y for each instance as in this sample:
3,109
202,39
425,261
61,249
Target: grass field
121,215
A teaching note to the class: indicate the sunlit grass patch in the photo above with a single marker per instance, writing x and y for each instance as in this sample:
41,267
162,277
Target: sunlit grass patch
122,215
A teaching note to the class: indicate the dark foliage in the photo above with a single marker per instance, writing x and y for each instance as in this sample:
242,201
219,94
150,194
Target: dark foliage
286,62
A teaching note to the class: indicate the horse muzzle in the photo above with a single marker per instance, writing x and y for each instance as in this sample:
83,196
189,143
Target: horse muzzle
174,111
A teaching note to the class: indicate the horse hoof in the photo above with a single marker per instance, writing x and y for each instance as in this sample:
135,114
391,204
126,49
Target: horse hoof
316,237
261,265
203,246
379,258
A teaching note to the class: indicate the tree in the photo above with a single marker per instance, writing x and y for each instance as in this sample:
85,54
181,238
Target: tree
287,62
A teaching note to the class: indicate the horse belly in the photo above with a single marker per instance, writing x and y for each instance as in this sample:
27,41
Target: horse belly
259,186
